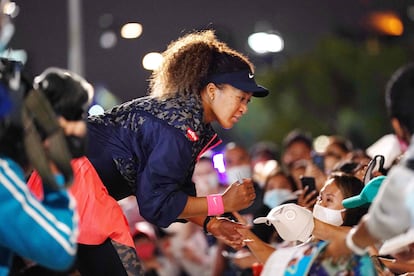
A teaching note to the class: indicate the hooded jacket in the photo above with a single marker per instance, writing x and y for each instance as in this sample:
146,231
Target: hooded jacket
149,147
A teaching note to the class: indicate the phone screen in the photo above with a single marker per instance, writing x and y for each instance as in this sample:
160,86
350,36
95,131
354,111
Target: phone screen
308,182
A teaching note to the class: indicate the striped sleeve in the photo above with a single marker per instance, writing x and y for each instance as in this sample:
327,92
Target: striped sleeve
44,232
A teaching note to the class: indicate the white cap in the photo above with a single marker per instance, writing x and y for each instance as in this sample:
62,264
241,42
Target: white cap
291,221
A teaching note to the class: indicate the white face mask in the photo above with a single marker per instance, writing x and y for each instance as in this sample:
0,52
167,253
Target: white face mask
328,215
276,197
238,172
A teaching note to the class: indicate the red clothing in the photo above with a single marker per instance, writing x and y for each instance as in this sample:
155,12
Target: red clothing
100,215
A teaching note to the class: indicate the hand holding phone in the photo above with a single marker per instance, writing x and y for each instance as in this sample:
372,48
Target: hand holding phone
308,182
308,199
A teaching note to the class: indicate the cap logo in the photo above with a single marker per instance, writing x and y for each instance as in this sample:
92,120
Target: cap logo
192,135
243,80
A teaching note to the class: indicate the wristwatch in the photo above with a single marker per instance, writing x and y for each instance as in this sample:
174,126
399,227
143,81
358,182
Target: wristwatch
206,221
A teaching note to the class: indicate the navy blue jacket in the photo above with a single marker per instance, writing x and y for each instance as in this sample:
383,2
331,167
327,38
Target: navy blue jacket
148,147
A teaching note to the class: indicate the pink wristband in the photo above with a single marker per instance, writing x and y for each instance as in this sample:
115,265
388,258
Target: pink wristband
215,205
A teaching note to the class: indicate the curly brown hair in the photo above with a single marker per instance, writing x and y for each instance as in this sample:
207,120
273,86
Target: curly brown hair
188,61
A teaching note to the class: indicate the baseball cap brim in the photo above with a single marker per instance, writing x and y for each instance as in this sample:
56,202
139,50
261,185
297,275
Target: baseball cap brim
367,195
261,220
243,80
268,220
354,202
257,90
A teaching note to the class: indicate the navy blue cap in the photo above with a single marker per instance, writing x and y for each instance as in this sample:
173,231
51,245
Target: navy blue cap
243,80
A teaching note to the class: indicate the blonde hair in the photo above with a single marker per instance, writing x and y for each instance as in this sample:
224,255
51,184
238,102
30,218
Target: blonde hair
188,61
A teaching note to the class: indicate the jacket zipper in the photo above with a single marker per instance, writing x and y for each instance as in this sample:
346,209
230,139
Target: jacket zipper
208,147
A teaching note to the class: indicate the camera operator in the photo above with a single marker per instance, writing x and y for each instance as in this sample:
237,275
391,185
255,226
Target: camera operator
30,137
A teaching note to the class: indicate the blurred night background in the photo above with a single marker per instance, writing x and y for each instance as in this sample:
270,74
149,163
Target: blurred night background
328,79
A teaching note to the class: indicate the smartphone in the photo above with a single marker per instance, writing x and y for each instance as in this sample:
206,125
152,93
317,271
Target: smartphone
308,182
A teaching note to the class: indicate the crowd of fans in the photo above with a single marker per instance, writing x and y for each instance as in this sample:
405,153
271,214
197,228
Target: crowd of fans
143,195
347,181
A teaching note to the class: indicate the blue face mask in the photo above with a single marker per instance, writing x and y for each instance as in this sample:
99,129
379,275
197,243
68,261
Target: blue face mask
275,197
239,172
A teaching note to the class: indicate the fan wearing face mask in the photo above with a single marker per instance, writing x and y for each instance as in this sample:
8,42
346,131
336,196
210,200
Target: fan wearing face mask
279,189
313,255
329,208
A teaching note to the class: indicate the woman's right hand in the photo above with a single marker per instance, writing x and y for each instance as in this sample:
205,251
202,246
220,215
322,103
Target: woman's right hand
239,196
227,231
307,199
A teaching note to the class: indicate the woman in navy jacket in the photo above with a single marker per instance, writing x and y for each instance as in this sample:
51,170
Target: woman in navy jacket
149,146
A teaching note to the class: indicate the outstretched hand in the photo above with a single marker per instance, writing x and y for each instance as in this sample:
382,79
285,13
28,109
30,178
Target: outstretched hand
337,248
226,230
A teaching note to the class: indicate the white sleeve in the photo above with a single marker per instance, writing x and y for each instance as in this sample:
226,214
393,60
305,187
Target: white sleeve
388,215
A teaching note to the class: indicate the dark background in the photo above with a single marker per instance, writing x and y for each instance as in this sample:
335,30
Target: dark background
41,29
328,80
